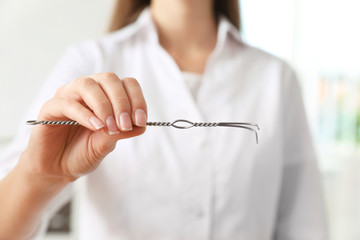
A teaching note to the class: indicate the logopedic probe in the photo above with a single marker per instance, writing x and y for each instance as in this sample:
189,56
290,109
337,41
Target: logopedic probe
180,124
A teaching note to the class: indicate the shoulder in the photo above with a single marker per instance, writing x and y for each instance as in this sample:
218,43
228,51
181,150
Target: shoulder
259,56
119,38
100,51
265,69
283,68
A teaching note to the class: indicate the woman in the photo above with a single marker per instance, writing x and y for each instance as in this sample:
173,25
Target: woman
191,63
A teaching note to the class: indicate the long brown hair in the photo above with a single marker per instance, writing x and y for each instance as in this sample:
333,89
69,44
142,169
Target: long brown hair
126,11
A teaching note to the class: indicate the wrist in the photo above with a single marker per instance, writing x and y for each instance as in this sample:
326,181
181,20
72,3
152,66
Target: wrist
27,196
37,175
38,183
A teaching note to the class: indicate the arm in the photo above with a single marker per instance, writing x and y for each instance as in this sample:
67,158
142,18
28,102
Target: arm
24,199
301,212
108,109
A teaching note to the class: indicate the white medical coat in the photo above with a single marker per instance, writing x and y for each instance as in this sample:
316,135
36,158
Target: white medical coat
201,183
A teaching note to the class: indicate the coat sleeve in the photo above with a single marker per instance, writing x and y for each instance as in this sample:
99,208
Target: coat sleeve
301,211
72,65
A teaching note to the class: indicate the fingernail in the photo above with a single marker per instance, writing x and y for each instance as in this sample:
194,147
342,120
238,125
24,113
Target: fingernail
140,118
125,122
111,126
96,123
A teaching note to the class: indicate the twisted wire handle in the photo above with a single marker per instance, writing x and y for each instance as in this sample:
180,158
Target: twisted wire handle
180,124
35,122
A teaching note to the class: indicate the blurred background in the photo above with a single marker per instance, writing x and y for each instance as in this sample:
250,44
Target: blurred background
319,38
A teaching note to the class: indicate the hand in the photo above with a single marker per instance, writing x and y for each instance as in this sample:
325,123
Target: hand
106,107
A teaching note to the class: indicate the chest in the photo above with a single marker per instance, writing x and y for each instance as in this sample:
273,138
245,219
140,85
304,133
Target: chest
168,172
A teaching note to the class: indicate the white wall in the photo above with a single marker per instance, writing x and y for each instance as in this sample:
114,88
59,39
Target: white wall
269,25
33,36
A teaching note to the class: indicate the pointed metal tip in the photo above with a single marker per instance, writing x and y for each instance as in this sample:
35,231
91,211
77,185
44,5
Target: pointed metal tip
32,122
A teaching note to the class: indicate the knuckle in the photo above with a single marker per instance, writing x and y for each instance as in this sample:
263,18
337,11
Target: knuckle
60,91
47,107
109,81
122,103
46,104
83,112
130,80
122,100
65,103
109,75
85,82
103,106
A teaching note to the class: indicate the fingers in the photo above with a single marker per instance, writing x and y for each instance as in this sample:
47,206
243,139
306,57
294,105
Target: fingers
105,100
126,98
57,108
115,92
137,101
96,99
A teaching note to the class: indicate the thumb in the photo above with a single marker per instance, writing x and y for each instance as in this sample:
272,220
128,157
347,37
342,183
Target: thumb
102,143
